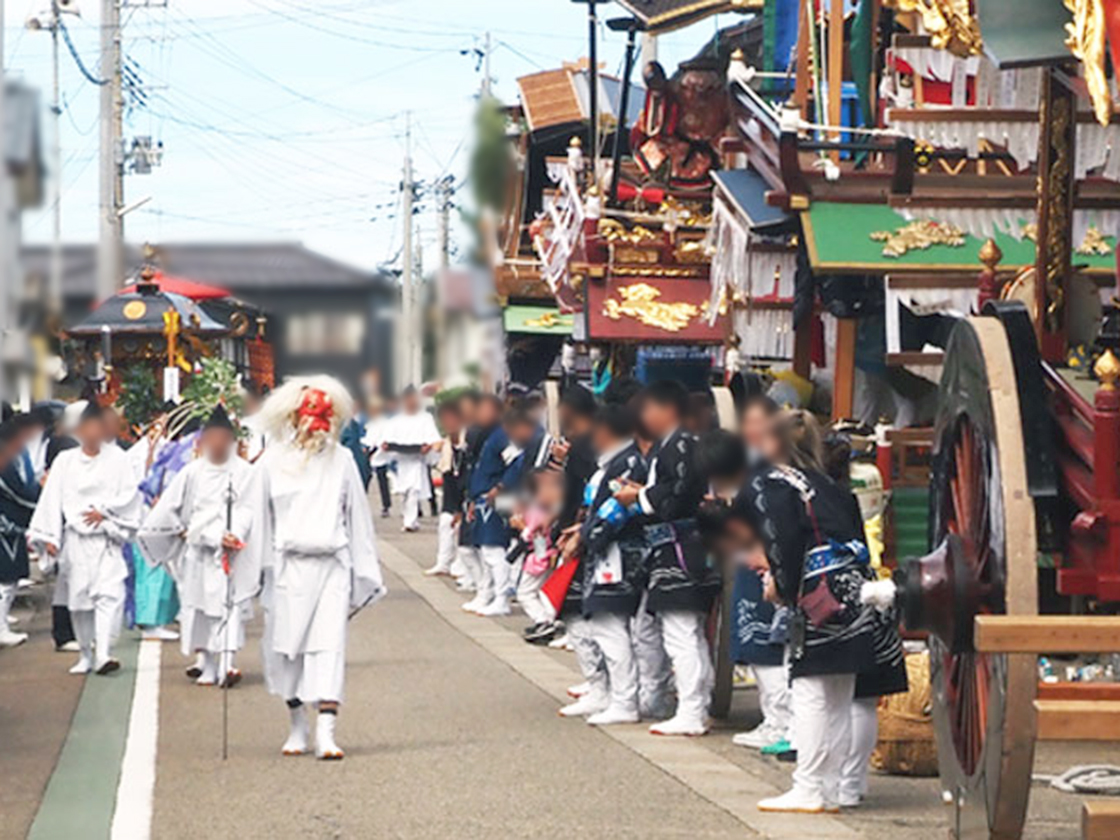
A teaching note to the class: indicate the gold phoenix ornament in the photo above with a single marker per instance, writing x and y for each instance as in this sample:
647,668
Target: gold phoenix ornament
950,24
1087,42
1094,243
918,236
640,301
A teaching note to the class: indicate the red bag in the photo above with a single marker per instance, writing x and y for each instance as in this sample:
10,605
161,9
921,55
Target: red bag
555,589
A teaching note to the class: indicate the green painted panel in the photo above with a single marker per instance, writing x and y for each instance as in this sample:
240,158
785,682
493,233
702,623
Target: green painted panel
838,237
538,320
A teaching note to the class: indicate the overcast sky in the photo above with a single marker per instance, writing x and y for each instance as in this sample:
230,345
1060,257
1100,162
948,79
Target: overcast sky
284,119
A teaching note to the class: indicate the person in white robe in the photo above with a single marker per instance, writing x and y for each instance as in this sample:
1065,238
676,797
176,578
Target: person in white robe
197,529
90,507
411,437
321,563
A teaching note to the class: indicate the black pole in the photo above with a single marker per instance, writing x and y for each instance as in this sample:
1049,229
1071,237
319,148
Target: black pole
623,111
593,51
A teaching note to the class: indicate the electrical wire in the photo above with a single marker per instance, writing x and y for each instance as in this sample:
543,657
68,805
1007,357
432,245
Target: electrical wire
77,58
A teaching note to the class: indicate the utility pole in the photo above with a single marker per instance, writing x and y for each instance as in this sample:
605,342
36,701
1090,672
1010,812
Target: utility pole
54,288
486,69
443,209
110,257
408,301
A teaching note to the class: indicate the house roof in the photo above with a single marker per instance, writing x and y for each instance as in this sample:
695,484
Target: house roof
242,268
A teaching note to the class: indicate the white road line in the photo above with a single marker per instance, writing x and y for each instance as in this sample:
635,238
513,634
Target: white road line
132,819
722,782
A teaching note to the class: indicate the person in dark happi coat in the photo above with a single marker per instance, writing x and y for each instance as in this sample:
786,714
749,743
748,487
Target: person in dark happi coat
497,467
19,492
818,562
683,583
612,542
482,414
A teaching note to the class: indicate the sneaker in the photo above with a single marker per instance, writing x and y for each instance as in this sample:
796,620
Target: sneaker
610,717
794,802
777,747
578,691
542,633
12,621
679,725
68,647
759,737
159,634
474,605
9,639
850,800
589,704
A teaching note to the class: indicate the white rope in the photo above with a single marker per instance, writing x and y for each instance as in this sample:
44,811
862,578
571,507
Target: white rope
885,132
1087,778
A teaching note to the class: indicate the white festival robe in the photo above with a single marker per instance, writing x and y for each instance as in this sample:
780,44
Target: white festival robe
91,563
320,565
184,530
413,468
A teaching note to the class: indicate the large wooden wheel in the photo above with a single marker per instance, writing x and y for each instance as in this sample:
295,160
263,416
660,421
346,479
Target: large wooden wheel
983,524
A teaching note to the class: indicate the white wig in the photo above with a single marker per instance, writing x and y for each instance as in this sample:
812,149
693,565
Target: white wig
277,415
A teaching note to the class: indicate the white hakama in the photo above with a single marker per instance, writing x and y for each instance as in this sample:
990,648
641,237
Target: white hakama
184,531
323,565
92,569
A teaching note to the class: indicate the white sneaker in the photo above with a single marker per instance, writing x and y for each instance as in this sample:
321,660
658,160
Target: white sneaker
794,802
464,585
578,691
850,800
559,643
83,666
499,606
759,737
9,639
159,634
474,604
325,747
589,704
437,571
298,734
69,647
610,717
678,725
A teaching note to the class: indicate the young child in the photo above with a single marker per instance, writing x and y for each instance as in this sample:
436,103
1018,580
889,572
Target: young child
613,547
546,487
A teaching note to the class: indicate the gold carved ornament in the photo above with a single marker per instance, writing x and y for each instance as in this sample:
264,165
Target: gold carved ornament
549,321
1093,245
641,302
949,23
918,236
1086,41
616,233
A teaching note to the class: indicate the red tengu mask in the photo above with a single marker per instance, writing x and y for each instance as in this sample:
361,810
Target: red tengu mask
315,411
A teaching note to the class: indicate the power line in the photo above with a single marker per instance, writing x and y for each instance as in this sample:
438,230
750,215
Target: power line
74,54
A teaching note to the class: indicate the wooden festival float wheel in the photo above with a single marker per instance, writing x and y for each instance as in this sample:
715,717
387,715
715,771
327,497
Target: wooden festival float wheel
985,562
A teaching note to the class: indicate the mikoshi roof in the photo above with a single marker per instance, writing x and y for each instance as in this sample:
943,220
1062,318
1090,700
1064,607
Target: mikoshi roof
142,312
664,15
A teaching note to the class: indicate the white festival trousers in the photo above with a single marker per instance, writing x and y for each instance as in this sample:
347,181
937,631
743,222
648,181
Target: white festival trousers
498,570
687,646
96,629
410,508
655,676
822,723
865,735
611,633
448,538
477,573
774,697
589,657
528,596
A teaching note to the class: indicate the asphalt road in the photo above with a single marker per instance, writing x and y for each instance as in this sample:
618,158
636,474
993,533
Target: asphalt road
450,731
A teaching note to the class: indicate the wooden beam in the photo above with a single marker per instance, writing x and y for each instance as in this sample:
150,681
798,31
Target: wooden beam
1079,691
914,357
1078,720
1100,819
1047,634
844,377
836,68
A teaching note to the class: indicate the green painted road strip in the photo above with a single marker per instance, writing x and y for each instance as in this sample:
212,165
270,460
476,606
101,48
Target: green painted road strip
81,796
